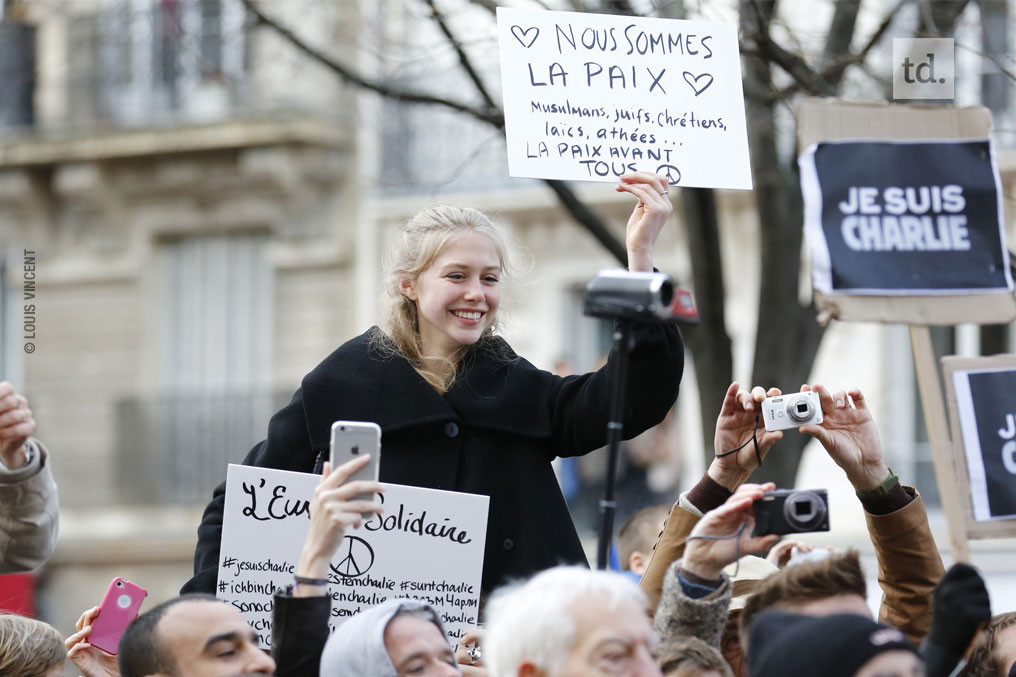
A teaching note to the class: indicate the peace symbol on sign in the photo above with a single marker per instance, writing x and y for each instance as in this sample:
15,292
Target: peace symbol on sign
357,558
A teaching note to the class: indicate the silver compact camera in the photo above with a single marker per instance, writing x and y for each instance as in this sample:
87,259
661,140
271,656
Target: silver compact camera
791,411
626,295
787,511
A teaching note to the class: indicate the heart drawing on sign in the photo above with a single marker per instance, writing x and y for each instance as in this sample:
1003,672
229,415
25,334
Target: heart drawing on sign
694,80
523,35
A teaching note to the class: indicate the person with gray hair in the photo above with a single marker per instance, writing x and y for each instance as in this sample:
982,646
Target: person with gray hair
397,637
570,621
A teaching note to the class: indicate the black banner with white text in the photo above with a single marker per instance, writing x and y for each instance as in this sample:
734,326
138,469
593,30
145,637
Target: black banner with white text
904,218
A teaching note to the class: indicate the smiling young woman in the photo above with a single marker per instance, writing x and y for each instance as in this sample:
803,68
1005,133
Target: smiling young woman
458,409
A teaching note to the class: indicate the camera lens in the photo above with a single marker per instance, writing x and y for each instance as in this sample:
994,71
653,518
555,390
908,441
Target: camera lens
667,293
800,409
804,510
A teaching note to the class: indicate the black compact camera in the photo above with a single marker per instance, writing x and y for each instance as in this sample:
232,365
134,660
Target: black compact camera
788,511
624,295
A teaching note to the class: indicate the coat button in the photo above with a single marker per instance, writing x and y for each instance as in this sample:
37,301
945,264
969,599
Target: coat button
508,544
451,429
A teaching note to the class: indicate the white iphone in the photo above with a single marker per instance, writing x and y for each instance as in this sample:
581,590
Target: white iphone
352,439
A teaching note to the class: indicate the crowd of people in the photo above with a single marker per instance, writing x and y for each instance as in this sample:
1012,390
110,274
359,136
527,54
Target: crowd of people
705,596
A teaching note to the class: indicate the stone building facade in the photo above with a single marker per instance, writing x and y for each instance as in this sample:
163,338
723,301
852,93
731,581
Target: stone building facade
209,214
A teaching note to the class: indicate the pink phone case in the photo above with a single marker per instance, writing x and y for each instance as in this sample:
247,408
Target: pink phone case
118,608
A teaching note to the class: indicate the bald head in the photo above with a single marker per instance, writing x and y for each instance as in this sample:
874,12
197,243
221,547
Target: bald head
193,635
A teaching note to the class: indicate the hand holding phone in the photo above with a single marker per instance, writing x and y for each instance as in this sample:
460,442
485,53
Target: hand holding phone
353,439
119,607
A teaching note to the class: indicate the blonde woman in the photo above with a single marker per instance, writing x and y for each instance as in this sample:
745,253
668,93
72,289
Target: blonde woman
458,409
30,648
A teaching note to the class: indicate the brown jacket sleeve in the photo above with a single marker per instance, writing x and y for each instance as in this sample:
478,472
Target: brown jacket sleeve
909,567
669,548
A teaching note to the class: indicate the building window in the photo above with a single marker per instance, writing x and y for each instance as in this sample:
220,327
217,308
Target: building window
214,398
211,38
139,62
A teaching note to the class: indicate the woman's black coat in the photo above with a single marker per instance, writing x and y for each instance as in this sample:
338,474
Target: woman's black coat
494,432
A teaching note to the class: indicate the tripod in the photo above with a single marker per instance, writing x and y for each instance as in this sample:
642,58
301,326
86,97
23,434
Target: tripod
623,343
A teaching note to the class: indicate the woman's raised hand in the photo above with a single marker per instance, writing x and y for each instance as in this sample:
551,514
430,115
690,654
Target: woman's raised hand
647,219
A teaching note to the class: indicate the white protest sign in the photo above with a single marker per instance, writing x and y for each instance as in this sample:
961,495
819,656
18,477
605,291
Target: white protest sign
591,96
428,545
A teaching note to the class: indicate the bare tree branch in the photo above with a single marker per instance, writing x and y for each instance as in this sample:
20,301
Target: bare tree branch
839,37
794,65
994,60
589,219
493,116
618,7
834,71
464,61
938,19
787,335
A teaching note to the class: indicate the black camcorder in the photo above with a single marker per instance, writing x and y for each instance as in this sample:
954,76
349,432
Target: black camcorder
626,295
788,511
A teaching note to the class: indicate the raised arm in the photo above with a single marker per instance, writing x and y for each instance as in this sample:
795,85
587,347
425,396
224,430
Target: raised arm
646,221
300,620
909,564
729,469
28,495
696,592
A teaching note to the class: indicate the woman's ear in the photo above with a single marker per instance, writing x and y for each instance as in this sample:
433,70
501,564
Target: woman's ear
407,288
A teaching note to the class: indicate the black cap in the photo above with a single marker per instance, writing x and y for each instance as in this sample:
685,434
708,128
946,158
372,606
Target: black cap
782,644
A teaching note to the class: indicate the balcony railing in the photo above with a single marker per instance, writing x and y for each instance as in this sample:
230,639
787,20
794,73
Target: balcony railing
174,449
180,61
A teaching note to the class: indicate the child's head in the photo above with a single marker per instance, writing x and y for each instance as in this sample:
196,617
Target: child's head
30,648
443,287
637,537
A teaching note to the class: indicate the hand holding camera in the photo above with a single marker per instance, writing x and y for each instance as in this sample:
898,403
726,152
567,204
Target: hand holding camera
725,534
738,422
849,435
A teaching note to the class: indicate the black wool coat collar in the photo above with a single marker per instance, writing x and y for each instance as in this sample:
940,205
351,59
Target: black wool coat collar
494,389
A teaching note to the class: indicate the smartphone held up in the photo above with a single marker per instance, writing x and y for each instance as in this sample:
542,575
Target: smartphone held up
119,607
351,440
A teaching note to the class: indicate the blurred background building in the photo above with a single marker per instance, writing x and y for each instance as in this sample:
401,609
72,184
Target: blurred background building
209,210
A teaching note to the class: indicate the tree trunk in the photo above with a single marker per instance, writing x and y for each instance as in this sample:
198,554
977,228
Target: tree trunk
708,341
787,335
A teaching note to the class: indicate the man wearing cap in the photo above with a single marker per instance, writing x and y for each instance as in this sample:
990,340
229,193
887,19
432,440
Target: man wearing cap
842,645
